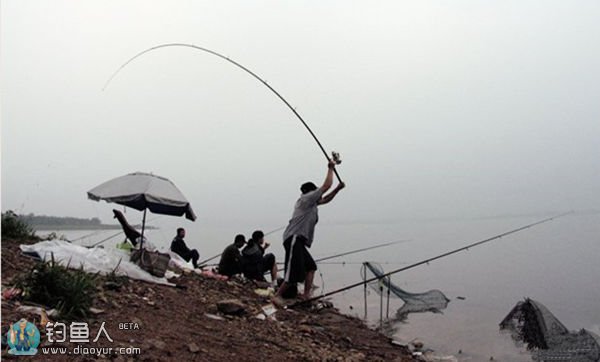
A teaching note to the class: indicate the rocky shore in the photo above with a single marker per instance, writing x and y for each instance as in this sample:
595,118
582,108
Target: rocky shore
185,323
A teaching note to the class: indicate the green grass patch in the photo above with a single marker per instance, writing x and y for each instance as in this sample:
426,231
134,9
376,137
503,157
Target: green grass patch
13,226
70,291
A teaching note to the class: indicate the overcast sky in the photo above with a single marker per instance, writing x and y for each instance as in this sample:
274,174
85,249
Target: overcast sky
438,108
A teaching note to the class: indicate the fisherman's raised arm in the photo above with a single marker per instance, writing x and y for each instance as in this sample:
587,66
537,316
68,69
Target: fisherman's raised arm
325,199
329,178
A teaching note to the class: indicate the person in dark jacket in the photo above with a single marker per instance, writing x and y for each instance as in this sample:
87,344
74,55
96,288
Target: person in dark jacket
231,258
255,263
178,246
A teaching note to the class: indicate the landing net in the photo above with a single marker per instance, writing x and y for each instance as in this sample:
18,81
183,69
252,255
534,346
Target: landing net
430,301
532,323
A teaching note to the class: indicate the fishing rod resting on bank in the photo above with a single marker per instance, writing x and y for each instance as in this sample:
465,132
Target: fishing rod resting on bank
203,263
117,234
359,250
335,155
426,261
348,252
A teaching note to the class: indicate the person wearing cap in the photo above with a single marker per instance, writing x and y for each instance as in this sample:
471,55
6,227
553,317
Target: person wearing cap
231,259
255,263
298,236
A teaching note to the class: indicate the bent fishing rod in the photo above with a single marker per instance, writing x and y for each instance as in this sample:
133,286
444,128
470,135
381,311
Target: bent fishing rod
335,156
426,261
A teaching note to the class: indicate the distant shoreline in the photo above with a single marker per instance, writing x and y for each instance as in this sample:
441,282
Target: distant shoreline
85,227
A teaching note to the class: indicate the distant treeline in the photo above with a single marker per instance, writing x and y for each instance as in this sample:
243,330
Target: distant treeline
58,222
44,222
32,219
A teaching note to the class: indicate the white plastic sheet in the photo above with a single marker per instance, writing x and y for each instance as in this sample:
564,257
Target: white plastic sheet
94,260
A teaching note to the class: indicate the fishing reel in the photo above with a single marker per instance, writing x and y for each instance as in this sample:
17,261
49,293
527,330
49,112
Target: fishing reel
335,157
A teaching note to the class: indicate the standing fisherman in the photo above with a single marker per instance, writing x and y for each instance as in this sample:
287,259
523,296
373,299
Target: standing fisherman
298,236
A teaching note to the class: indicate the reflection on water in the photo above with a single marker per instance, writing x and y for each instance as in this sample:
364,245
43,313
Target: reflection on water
555,263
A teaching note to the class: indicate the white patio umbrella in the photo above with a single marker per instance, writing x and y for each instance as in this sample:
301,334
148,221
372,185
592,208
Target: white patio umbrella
144,191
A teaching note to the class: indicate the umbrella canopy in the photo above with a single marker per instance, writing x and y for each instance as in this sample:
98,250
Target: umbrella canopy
143,191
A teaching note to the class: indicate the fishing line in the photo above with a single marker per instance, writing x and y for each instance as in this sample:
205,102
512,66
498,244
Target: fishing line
361,262
320,260
239,66
363,249
107,239
426,261
90,234
116,234
202,264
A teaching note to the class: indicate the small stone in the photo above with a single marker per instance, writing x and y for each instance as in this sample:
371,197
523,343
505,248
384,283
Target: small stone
193,347
112,286
158,344
231,306
214,316
417,344
305,329
137,321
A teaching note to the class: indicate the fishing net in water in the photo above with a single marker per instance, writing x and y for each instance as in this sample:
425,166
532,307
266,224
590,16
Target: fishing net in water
533,324
430,301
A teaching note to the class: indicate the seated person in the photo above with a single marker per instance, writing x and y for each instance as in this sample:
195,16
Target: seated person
231,259
178,247
254,261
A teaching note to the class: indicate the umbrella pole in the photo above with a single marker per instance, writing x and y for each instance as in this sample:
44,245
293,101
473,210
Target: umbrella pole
143,225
